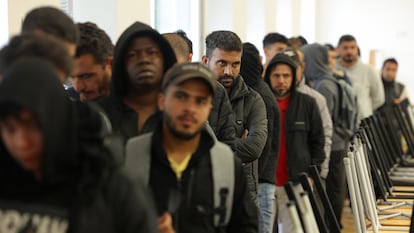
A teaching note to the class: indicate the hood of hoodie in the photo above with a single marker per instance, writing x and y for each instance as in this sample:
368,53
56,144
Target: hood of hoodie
281,59
119,81
34,85
251,69
317,63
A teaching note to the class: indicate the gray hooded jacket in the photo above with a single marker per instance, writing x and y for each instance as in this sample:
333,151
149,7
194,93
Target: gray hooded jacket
317,70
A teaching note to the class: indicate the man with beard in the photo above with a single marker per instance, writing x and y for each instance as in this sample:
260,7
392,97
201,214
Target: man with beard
223,58
366,83
395,92
221,116
141,57
301,136
177,160
93,64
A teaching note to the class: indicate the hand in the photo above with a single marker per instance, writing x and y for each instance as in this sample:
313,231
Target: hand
396,101
165,223
245,133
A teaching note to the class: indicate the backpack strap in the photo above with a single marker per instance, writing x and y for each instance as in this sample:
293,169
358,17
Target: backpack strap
138,152
222,163
138,158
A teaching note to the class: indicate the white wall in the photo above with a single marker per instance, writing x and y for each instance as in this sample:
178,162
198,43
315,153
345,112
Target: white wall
4,23
17,9
382,26
112,16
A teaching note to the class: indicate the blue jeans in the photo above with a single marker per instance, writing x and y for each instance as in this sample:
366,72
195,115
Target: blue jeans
266,199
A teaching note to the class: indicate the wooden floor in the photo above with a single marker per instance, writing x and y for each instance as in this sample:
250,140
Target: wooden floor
348,221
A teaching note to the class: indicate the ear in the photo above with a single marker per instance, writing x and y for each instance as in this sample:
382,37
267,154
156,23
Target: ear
161,99
211,107
205,59
266,51
109,60
190,57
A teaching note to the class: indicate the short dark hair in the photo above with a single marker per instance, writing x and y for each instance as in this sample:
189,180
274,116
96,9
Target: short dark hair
302,40
329,46
178,44
225,40
346,38
274,37
187,40
28,46
93,40
51,21
389,60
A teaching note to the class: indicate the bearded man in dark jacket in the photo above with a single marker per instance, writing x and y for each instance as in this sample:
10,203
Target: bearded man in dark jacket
301,138
55,172
223,57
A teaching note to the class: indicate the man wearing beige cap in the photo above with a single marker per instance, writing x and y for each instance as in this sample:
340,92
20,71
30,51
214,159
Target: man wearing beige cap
196,182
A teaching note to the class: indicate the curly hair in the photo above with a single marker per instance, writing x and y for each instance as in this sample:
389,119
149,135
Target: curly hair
94,41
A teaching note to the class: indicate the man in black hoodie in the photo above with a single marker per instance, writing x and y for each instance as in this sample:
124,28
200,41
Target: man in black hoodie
301,136
49,185
141,57
251,70
395,92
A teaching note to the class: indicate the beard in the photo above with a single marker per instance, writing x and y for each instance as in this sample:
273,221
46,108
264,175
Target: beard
348,58
281,93
227,81
172,128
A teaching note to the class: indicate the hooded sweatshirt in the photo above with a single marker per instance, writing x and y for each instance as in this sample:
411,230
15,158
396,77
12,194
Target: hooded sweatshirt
123,118
317,70
303,126
251,70
78,190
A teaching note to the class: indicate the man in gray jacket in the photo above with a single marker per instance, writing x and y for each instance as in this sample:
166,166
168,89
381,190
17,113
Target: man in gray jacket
223,58
298,57
317,70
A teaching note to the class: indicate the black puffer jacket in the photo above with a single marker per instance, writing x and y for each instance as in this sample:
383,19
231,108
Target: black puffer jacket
249,113
78,190
221,117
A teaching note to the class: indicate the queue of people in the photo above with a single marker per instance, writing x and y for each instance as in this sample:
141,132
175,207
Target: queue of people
136,137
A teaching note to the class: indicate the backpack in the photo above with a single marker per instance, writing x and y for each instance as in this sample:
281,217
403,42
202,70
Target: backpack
345,123
138,152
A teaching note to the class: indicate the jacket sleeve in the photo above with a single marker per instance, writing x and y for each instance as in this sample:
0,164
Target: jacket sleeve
244,211
316,137
225,130
249,149
327,131
376,90
132,206
326,110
